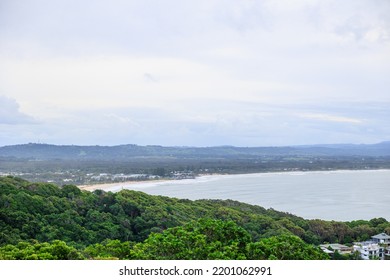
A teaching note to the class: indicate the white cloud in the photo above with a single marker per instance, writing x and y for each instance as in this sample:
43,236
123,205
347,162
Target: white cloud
238,71
330,118
123,120
10,113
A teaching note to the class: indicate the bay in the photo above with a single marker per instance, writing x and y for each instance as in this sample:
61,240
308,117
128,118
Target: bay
329,195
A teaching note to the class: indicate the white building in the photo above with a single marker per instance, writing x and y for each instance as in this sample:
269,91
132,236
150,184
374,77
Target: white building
369,250
377,248
381,238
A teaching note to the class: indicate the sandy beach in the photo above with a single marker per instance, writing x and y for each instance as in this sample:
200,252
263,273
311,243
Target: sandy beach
109,186
136,184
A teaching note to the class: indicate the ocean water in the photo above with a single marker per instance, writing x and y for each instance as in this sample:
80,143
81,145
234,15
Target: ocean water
327,195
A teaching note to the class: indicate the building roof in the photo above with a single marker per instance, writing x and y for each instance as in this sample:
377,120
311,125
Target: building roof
335,246
381,236
325,250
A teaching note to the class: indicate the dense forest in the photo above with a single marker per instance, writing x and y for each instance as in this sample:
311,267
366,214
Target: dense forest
45,221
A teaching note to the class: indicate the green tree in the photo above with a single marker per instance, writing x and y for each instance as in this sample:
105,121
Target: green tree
109,249
56,250
203,239
284,247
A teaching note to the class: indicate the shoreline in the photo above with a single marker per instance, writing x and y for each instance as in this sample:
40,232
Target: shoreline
121,185
103,186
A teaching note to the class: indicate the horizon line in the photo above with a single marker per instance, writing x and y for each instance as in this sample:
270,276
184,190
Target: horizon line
189,146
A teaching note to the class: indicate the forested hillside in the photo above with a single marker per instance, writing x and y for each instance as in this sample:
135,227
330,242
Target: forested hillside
121,152
45,221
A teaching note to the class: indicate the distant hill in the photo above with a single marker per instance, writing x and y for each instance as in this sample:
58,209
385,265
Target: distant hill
122,152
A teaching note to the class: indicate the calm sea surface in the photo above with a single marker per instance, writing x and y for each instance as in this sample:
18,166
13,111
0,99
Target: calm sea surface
333,195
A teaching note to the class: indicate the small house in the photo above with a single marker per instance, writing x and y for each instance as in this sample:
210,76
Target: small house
381,238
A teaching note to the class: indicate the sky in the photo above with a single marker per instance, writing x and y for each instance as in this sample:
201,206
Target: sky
194,73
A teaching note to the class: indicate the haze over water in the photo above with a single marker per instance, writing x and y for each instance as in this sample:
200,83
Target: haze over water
333,195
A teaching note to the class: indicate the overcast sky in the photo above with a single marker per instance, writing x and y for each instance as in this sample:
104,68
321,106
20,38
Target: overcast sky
194,73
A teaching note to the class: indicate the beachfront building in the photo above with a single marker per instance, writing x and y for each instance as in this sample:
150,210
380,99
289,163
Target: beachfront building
376,248
369,250
381,238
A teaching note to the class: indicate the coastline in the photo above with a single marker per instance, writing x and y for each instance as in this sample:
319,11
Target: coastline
106,186
139,185
329,195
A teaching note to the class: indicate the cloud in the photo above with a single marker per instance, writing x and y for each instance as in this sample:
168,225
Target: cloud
10,114
196,72
229,122
122,119
364,22
330,118
149,78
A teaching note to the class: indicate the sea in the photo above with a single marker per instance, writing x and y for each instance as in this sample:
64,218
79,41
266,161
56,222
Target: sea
343,195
